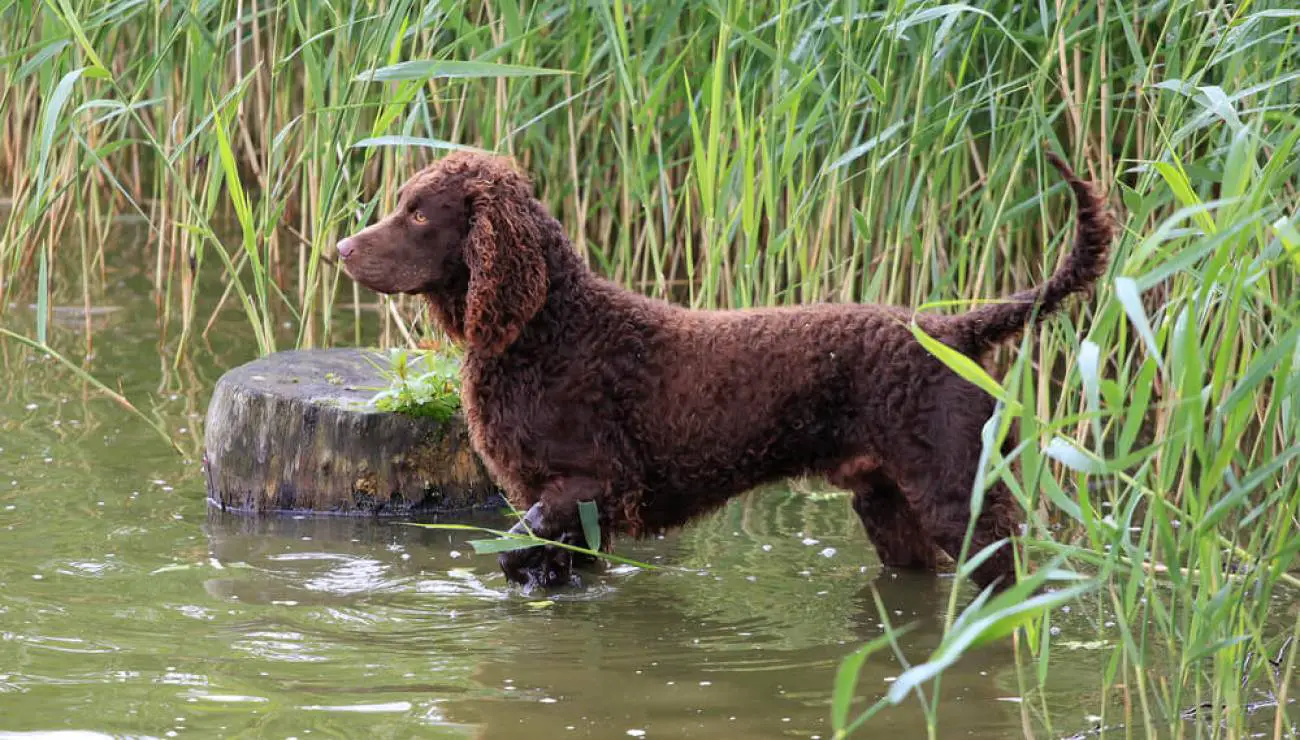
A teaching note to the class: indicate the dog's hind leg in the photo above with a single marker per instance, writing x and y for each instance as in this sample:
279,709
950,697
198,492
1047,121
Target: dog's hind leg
937,474
893,528
943,503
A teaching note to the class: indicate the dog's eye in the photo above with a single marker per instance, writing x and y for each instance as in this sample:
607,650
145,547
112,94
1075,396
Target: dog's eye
418,216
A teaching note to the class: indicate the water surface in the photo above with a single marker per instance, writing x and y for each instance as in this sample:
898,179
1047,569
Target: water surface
128,608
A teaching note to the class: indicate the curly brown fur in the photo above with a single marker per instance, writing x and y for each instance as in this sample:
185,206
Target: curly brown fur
577,389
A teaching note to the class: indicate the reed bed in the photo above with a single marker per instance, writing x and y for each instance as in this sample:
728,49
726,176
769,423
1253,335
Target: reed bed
733,153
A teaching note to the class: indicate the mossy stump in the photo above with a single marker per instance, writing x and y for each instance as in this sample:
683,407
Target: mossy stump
293,432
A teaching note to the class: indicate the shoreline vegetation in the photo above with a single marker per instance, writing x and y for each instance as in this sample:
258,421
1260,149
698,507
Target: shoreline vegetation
739,154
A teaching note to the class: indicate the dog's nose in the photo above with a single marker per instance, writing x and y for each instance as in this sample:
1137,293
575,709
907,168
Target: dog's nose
345,248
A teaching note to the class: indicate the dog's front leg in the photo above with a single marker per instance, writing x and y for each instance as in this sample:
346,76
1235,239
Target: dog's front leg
554,517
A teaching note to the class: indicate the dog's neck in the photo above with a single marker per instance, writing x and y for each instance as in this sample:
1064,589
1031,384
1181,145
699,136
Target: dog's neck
569,281
568,277
565,269
447,308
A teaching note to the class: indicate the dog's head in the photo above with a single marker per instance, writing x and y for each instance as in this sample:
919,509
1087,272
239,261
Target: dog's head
468,233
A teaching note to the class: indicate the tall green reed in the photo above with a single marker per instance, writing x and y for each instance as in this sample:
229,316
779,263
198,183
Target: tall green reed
1163,478
731,154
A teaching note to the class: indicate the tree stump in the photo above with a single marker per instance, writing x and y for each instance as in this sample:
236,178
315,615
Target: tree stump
294,432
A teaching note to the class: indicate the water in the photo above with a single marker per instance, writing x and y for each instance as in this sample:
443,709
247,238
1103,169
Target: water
127,608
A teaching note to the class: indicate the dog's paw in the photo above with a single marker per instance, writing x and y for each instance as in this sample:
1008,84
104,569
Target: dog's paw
544,566
547,569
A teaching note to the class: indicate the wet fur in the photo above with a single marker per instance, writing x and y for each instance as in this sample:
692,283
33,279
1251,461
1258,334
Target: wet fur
578,389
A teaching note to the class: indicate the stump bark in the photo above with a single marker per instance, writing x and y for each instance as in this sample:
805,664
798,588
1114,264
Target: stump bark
294,432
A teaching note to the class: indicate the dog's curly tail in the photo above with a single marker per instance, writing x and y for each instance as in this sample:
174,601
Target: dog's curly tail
995,323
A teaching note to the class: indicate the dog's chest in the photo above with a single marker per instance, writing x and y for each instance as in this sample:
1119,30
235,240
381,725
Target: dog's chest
528,430
516,431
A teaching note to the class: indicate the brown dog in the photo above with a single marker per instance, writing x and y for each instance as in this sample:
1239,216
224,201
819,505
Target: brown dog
576,389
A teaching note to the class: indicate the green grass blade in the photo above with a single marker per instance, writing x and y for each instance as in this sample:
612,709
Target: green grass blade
430,70
589,514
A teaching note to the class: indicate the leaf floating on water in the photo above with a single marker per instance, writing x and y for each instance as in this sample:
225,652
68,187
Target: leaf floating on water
543,604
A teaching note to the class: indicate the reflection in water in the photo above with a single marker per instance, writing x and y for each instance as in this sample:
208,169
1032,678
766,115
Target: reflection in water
739,637
128,608
157,615
153,615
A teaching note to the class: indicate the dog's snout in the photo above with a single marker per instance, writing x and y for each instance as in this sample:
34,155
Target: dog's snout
346,248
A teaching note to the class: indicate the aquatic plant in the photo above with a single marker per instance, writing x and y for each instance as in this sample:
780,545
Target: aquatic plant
420,383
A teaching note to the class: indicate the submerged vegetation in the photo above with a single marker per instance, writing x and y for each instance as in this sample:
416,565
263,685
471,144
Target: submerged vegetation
737,153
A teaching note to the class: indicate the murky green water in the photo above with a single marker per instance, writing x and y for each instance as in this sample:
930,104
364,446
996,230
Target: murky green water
127,608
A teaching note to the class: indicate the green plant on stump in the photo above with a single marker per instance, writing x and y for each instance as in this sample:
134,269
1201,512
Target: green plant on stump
420,383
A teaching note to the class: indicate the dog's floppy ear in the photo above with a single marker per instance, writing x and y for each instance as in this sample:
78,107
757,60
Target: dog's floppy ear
508,278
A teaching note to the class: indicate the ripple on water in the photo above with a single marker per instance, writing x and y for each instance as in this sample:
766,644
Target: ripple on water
8,686
282,647
459,582
225,698
173,677
86,568
377,708
345,574
195,612
56,735
75,645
